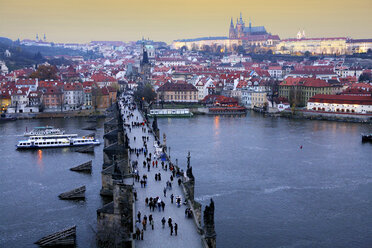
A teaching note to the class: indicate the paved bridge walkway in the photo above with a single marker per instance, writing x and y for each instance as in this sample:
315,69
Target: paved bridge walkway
159,237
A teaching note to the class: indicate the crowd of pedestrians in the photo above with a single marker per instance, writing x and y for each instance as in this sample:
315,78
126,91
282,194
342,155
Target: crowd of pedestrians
139,149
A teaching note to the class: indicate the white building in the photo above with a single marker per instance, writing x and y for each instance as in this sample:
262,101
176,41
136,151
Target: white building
73,96
340,104
3,68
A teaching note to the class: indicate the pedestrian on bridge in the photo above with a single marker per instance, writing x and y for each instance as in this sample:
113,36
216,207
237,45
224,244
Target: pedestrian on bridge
171,229
169,221
139,216
175,228
163,222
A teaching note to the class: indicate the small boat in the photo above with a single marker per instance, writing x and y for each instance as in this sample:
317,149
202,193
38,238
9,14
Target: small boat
48,130
366,137
37,142
6,118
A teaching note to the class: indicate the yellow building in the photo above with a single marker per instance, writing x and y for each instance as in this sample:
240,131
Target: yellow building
259,99
336,46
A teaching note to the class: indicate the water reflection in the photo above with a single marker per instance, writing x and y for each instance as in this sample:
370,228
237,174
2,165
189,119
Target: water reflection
40,160
216,125
217,122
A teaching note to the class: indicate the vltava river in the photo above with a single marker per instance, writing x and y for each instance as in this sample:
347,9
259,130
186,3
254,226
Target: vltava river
268,192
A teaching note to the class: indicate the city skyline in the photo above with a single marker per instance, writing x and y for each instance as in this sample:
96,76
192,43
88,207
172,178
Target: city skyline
165,20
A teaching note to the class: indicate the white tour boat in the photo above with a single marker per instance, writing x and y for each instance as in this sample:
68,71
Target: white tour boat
48,130
53,141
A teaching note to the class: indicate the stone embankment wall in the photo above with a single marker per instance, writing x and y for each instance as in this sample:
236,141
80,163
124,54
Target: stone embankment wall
58,114
327,116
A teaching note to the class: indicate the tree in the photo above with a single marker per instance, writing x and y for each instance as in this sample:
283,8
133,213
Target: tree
240,50
295,95
307,54
146,93
149,93
273,91
45,72
365,77
97,97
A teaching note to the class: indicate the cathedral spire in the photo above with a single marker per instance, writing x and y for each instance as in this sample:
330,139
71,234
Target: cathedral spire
241,18
231,23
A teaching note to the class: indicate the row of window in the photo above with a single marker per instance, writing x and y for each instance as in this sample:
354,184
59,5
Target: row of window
180,97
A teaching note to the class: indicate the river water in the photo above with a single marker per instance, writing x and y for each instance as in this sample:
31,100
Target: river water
268,192
30,182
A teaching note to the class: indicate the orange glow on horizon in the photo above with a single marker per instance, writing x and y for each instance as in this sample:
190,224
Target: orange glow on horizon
167,20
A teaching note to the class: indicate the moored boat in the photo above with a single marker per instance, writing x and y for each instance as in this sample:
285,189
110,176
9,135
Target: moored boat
366,137
37,142
221,110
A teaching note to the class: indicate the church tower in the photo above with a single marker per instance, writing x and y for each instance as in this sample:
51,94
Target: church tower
240,27
145,66
232,31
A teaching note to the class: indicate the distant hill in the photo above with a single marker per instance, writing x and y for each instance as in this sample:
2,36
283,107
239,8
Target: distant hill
26,56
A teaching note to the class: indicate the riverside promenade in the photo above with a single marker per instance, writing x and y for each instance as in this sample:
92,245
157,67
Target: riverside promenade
187,235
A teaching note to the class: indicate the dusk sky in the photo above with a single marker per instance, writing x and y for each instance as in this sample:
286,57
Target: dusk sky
167,20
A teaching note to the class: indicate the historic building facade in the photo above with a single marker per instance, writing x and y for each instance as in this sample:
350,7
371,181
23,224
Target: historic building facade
341,104
177,92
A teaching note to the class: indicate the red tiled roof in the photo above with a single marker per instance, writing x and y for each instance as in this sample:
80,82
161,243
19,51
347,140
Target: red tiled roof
308,82
100,77
177,87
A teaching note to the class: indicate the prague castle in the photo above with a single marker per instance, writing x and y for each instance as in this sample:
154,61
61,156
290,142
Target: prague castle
239,35
256,39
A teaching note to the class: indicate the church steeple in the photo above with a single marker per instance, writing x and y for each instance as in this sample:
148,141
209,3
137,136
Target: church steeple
232,32
241,19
